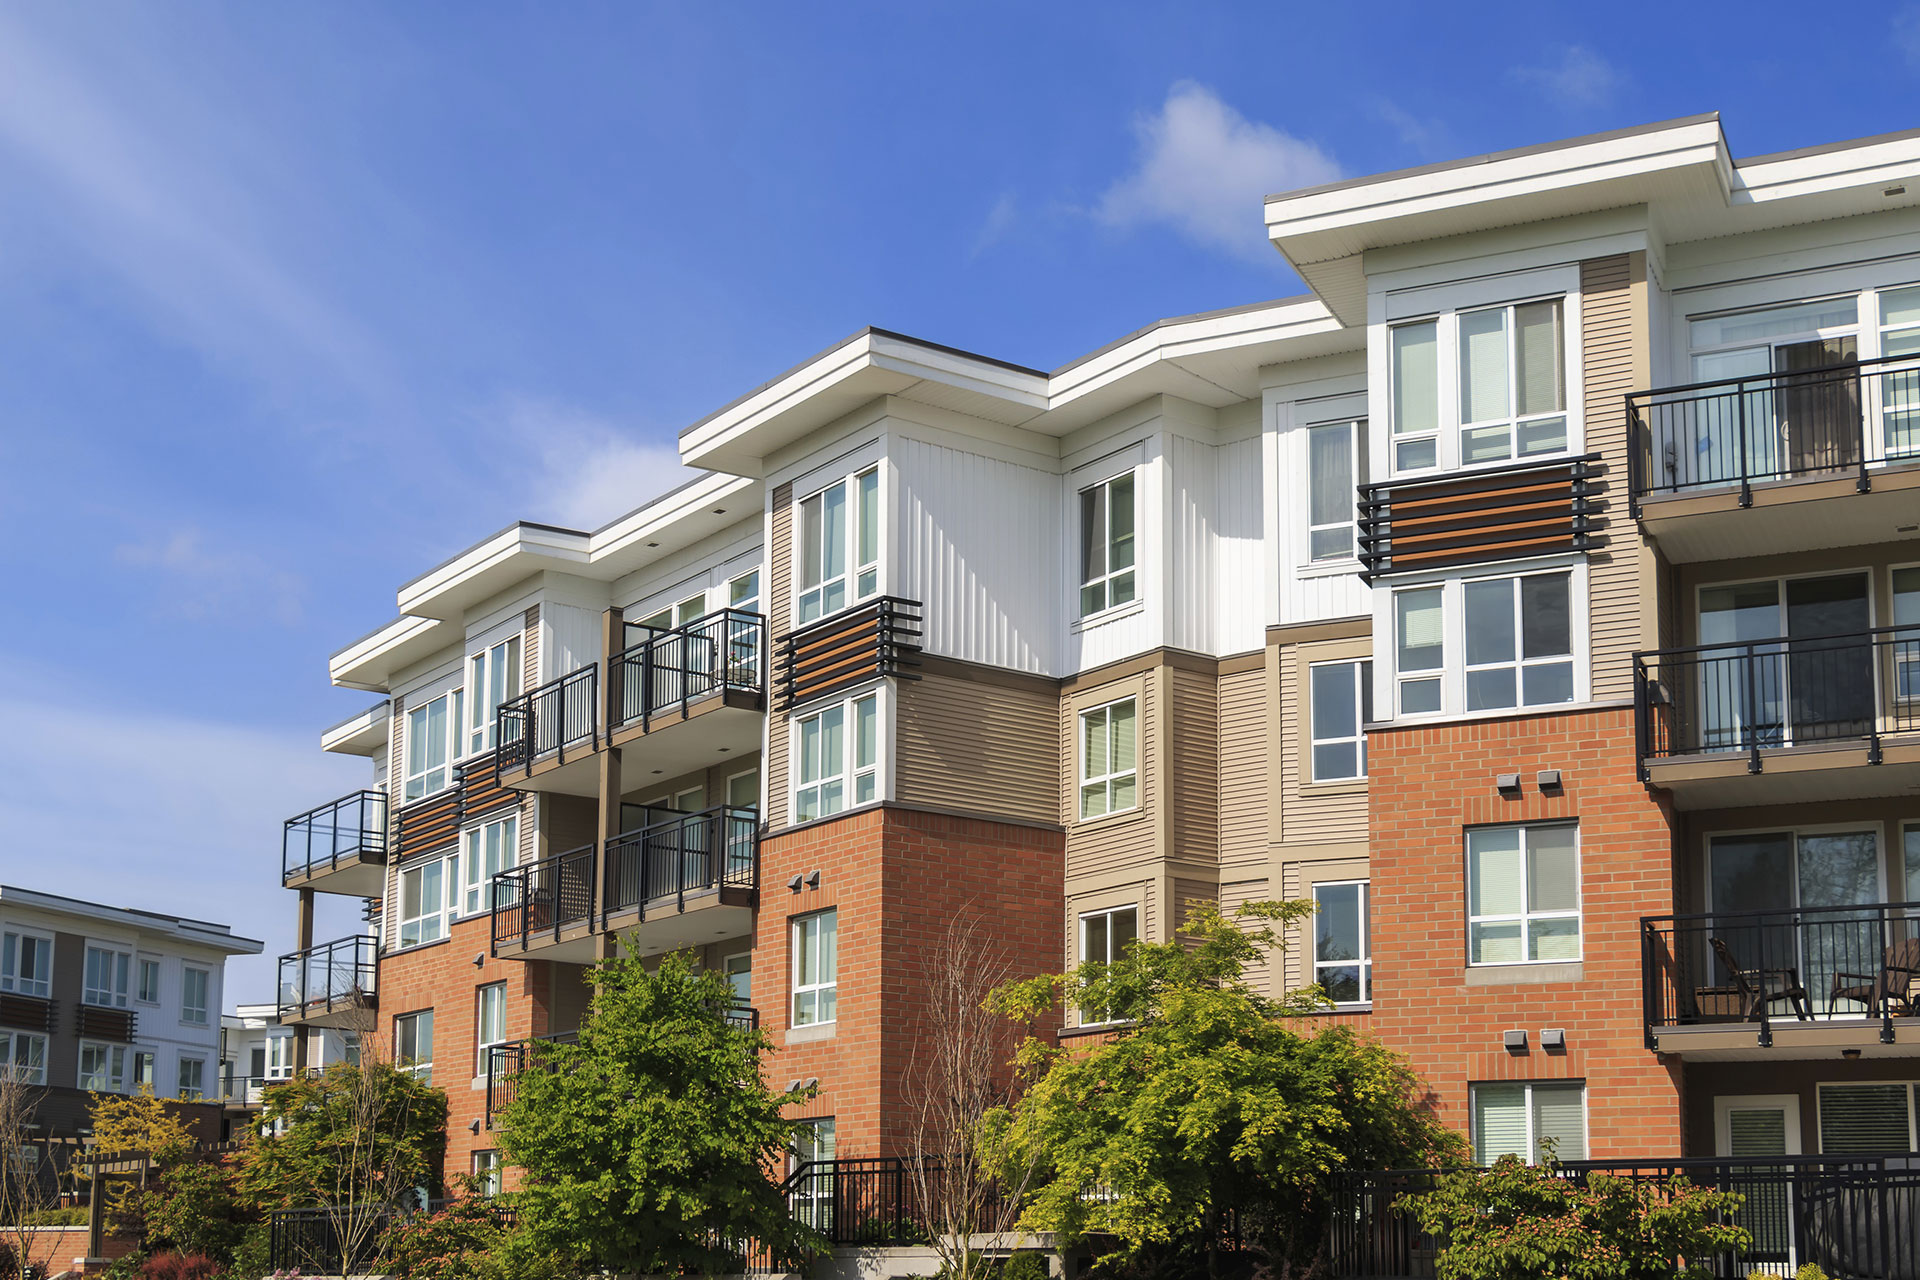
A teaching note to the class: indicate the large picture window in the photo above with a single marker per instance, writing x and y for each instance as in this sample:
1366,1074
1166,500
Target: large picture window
427,898
491,848
838,753
1107,521
1109,767
103,1067
23,1057
26,964
106,977
1104,938
816,968
839,551
494,676
1523,894
1487,644
1479,387
1532,1120
432,728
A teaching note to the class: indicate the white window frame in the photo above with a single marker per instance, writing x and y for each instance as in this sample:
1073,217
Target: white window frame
488,1169
419,1068
142,966
119,977
419,783
197,1089
494,993
1358,463
861,781
479,864
859,578
1364,962
1109,577
494,675
438,920
145,1070
823,987
1513,422
1533,1139
118,1060
19,1052
279,1058
195,1015
1526,918
1362,700
1389,681
1090,1017
12,949
1106,780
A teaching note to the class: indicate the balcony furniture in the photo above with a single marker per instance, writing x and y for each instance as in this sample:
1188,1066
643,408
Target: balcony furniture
1893,987
1759,988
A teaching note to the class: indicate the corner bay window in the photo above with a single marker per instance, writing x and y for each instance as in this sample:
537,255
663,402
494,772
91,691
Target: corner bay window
1529,1120
1485,644
816,968
1523,895
1342,944
839,551
1341,702
1109,770
839,762
1104,938
1511,402
1107,521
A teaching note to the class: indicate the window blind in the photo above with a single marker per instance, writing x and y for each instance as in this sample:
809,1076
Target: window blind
1760,1131
1553,881
1493,859
1416,378
1330,464
1560,1119
1499,1122
1123,738
1483,365
1537,353
1864,1119
1420,621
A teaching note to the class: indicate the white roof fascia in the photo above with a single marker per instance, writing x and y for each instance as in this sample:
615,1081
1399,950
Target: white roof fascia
656,520
198,933
365,663
516,549
359,735
1888,162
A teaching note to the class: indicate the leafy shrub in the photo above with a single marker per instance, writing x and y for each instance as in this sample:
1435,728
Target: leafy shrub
253,1253
192,1212
72,1216
1810,1272
1025,1264
457,1243
181,1266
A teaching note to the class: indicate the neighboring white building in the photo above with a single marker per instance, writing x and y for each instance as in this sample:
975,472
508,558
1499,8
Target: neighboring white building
256,1051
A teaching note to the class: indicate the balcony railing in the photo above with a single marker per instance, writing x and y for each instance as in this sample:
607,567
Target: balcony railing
541,900
1783,692
681,855
1806,964
333,978
1737,432
666,671
556,720
1853,1216
352,828
506,1061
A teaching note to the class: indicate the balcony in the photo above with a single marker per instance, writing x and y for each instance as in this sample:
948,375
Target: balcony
681,880
1701,457
699,690
331,985
1781,720
505,1063
551,733
339,847
1799,982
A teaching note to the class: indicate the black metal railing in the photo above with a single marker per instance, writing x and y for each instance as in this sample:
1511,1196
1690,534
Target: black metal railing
506,1061
682,854
1782,692
666,671
741,1017
542,899
1854,1216
1737,432
1802,964
352,828
856,1202
330,978
558,719
315,1241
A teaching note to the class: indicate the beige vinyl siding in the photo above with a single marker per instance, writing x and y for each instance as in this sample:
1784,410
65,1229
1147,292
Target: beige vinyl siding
1127,840
530,649
1235,894
1614,361
1313,813
1142,894
1243,769
977,746
779,608
1297,881
1187,894
1193,766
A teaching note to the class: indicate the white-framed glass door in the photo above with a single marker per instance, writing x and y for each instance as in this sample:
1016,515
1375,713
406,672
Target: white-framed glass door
1817,687
1781,872
1762,1127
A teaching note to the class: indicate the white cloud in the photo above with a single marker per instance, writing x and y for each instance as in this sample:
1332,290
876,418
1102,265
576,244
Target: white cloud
1427,137
201,581
584,470
1581,78
1202,168
999,221
1906,33
167,814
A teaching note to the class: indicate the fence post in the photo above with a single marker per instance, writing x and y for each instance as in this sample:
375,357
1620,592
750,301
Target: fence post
1740,399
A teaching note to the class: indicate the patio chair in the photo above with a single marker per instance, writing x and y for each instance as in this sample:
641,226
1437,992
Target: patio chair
1892,989
1759,988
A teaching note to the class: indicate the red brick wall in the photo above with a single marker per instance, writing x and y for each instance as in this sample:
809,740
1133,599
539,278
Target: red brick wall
1427,784
59,1249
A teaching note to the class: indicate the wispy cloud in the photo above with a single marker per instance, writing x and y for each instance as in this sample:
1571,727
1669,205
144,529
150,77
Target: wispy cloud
999,221
582,469
1580,78
196,579
1426,137
1202,168
1906,33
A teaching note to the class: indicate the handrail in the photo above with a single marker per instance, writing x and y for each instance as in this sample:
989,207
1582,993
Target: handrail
548,721
353,826
542,897
342,974
686,853
672,668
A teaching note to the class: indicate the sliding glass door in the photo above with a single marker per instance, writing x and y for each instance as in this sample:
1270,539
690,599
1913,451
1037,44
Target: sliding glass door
1817,686
1803,882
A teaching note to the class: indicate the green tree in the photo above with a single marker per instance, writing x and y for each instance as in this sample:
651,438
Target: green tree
1211,1105
648,1146
1521,1222
192,1210
136,1123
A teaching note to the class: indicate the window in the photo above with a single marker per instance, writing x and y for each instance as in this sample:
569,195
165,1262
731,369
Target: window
1529,1120
1342,703
835,548
413,1044
26,964
1109,779
813,1197
492,847
743,636
148,991
1485,644
486,1172
835,762
278,1064
193,998
688,611
1104,938
426,899
1867,1119
816,964
1419,637
106,977
494,676
144,1075
103,1067
193,1079
743,592
739,971
1906,643
1910,856
23,1057
1513,394
490,1022
1336,463
431,730
1414,372
1107,522
1523,895
1900,389
1342,945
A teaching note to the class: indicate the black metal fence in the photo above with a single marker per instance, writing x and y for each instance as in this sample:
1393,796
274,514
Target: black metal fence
665,671
1774,426
1782,692
506,1061
330,978
682,854
346,1240
558,718
352,827
542,899
1857,1218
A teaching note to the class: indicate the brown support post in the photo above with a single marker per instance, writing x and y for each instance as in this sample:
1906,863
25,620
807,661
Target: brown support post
303,941
97,1217
612,635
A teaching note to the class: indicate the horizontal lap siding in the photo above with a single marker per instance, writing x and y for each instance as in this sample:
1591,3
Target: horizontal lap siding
1193,737
1111,844
979,748
1243,769
1235,894
1310,815
779,610
1613,358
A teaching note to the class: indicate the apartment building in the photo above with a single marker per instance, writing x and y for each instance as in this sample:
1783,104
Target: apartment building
256,1052
99,999
1530,596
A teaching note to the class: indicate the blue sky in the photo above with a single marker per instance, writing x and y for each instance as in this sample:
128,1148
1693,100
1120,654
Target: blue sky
297,301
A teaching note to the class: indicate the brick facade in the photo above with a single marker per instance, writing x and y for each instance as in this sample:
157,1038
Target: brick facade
1428,785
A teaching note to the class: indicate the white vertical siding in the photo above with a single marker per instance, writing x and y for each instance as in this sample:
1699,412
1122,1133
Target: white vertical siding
569,639
1307,594
1190,543
1239,559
